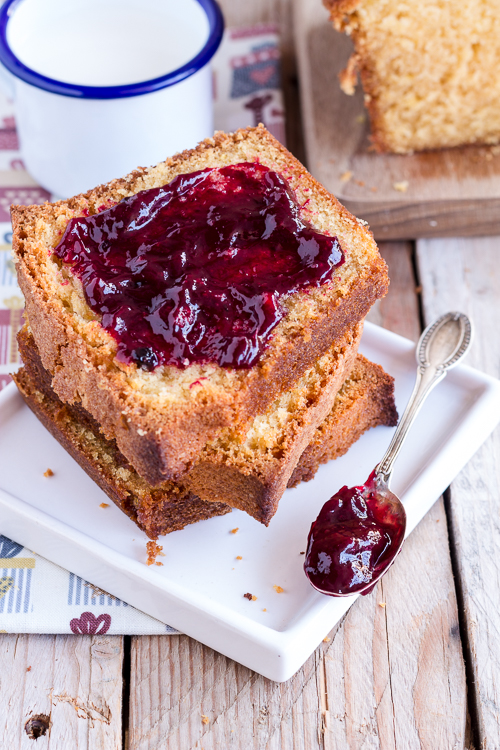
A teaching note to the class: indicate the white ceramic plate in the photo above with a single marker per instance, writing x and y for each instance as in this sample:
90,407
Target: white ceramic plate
200,588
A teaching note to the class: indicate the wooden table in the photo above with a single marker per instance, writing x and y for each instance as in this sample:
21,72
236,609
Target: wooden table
414,665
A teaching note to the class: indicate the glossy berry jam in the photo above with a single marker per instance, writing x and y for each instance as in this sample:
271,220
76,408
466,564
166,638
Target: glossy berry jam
353,540
196,271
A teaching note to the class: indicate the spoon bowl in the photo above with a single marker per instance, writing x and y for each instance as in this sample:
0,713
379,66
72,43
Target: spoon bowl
355,538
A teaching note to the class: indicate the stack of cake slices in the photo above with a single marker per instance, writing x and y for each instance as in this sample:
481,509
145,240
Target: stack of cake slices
174,442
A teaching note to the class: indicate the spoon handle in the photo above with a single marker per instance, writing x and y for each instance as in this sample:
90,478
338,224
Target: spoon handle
441,346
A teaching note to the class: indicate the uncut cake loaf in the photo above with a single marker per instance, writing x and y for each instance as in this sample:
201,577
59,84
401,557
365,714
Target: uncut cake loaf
366,399
162,417
427,70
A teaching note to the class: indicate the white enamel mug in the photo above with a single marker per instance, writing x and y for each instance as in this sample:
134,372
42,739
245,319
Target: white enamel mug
103,86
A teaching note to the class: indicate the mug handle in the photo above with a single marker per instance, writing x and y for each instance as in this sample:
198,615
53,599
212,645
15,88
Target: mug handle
7,83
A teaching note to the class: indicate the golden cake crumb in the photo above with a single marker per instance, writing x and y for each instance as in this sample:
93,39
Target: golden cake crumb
205,719
278,589
233,531
382,604
48,473
327,639
104,505
346,176
239,557
153,551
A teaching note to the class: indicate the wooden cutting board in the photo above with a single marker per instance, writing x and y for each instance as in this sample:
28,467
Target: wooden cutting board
452,192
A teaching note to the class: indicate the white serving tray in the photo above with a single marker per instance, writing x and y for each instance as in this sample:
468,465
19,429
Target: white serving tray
200,588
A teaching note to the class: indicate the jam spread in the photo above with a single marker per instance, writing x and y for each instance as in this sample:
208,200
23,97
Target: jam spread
195,271
353,540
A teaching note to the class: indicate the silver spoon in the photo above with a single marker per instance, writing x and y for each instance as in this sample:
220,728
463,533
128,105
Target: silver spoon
360,530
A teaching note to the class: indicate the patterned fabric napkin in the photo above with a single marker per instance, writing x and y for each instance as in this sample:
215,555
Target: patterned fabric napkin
37,596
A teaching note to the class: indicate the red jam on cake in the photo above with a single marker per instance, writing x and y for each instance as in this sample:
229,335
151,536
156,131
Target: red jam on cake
195,271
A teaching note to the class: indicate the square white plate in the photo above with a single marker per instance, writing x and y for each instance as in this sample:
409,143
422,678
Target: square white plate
200,588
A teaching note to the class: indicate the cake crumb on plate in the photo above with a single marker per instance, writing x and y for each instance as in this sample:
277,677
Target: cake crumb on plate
154,550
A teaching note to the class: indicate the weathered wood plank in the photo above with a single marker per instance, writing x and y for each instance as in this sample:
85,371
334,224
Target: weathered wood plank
70,684
464,274
184,696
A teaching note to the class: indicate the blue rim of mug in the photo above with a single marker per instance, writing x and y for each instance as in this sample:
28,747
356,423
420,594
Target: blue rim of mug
18,69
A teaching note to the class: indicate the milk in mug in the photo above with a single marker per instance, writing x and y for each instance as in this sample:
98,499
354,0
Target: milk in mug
107,42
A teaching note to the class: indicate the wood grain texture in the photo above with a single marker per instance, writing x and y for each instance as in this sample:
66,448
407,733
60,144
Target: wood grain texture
449,192
186,696
465,275
74,682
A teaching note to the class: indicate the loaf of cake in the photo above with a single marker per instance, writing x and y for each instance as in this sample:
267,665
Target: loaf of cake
366,399
427,70
263,322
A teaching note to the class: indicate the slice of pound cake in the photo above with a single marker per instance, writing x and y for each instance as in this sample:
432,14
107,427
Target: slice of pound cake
184,299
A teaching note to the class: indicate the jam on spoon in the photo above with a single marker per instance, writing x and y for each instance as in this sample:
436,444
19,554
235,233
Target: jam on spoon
353,540
360,530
